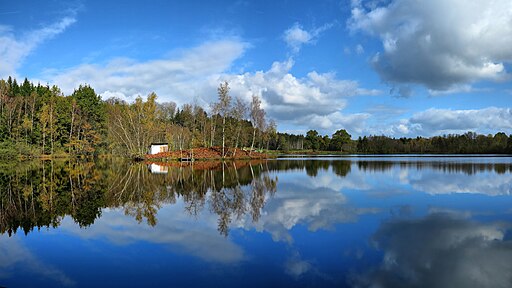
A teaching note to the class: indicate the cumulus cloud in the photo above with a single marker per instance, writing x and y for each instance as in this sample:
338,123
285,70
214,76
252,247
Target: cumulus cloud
15,48
355,123
441,250
296,36
314,102
447,121
179,78
440,121
438,43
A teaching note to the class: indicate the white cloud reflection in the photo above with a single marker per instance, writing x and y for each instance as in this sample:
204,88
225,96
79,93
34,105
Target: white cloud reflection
433,178
492,184
441,250
176,230
295,266
14,255
303,204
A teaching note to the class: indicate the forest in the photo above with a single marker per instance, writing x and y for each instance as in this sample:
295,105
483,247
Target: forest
40,121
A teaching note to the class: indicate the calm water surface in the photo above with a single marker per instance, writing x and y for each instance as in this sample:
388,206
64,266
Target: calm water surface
292,222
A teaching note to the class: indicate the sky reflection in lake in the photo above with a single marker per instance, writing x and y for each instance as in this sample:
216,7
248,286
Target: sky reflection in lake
324,222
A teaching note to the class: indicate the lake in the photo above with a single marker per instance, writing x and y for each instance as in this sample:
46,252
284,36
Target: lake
289,222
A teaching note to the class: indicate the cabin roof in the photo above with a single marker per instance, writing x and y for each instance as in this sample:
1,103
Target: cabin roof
159,143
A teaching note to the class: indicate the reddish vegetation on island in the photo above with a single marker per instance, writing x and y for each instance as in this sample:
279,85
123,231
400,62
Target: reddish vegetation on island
213,153
207,165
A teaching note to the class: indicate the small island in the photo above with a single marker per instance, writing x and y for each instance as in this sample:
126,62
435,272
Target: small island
212,153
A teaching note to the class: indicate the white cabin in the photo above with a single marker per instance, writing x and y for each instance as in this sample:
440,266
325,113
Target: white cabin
156,148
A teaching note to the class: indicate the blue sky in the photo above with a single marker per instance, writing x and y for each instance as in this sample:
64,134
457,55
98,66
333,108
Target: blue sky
394,67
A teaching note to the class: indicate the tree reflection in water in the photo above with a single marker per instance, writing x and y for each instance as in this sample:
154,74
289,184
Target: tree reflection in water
41,194
230,189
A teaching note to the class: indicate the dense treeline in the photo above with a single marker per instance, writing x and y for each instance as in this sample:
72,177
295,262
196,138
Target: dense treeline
463,144
40,120
468,143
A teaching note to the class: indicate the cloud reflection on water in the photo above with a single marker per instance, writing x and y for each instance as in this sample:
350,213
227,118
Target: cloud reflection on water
441,250
14,255
298,204
176,230
491,184
436,178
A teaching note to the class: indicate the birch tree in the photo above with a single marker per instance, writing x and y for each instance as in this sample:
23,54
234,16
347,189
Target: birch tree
223,107
239,113
257,118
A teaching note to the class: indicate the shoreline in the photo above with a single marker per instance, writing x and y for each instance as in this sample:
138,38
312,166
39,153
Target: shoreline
207,154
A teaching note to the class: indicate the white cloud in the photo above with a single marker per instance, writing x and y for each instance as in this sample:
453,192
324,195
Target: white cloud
359,49
461,88
313,102
295,37
179,79
446,121
440,121
438,43
14,49
354,123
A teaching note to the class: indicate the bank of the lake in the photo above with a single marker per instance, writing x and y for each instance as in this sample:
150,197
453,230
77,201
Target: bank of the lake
211,154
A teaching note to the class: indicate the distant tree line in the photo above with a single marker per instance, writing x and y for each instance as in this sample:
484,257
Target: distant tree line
467,143
40,120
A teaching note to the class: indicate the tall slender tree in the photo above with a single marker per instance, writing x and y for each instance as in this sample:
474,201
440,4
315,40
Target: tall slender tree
223,107
257,118
239,113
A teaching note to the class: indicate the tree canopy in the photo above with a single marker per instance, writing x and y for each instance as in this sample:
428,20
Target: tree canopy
40,120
